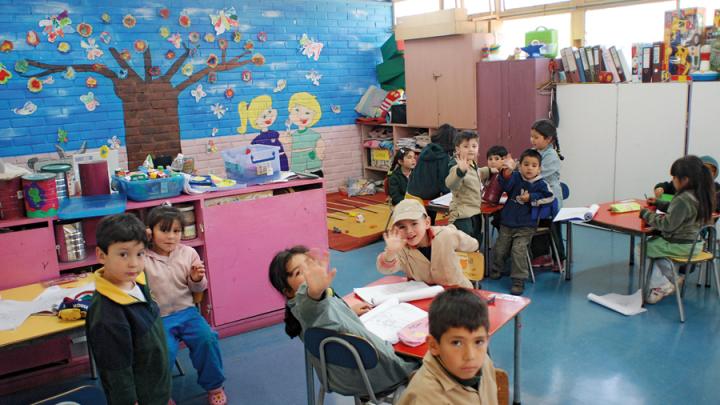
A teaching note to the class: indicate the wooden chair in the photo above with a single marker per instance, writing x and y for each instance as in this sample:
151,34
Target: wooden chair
503,386
197,300
705,238
473,266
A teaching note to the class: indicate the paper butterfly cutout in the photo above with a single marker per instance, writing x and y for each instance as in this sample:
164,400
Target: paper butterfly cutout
336,108
49,80
218,110
314,77
57,25
62,136
69,73
224,20
114,142
26,109
280,86
198,93
176,40
310,48
89,101
92,49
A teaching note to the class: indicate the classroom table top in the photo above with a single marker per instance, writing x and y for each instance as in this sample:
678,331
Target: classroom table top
505,308
626,221
37,326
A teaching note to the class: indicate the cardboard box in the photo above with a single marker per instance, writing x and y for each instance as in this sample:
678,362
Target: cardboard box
683,34
435,24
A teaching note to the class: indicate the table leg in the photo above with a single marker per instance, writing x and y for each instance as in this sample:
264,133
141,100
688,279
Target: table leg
516,365
486,242
309,377
643,260
632,250
569,251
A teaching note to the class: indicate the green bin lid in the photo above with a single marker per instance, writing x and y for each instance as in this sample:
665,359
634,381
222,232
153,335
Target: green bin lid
38,176
56,168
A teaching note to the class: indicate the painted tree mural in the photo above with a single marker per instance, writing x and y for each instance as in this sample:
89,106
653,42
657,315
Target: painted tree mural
149,97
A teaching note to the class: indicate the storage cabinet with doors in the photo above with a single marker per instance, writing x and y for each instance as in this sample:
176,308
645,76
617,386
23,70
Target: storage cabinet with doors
397,131
508,102
440,80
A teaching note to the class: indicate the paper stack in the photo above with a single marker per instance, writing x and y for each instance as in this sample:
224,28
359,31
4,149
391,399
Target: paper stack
403,292
580,214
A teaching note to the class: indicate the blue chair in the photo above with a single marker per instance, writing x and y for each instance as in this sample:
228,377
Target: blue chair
546,211
348,351
565,191
84,395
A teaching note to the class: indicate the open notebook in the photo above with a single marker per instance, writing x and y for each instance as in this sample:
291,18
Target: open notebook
389,318
403,292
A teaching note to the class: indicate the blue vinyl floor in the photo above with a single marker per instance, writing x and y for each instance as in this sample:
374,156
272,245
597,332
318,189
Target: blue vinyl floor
573,351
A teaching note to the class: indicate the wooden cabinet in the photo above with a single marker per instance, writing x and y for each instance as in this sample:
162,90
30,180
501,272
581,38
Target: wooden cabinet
508,102
440,80
394,132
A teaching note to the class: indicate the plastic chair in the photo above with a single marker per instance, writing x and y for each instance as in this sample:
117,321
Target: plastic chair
547,211
197,300
705,238
348,351
86,394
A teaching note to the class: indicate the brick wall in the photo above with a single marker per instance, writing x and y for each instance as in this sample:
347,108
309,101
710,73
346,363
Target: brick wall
351,32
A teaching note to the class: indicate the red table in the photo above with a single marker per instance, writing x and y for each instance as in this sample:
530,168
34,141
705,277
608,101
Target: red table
505,308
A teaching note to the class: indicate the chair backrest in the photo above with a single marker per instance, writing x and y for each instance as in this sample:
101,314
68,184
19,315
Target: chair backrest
545,211
472,265
338,354
565,190
503,386
708,236
86,394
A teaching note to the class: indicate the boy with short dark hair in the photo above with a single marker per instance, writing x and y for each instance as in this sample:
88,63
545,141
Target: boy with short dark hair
465,180
526,190
123,325
456,369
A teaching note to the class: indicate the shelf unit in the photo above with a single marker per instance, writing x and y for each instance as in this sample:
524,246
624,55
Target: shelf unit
398,131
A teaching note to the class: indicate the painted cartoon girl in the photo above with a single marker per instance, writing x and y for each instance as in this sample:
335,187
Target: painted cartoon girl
306,146
262,116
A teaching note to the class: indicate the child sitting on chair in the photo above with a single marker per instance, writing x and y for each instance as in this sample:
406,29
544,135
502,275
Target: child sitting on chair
423,252
402,166
456,369
668,187
304,281
526,189
176,272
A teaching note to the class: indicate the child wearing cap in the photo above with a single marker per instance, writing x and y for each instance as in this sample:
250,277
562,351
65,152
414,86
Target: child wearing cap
425,253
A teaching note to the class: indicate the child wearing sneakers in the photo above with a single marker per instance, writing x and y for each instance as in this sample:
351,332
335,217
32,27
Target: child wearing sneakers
176,272
456,369
526,189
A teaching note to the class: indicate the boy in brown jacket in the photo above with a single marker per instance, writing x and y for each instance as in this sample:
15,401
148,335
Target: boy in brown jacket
456,369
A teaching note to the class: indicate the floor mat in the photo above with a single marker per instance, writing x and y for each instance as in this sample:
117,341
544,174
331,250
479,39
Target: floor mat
345,232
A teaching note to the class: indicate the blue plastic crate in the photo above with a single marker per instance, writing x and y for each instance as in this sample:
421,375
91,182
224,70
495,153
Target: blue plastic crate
252,164
151,189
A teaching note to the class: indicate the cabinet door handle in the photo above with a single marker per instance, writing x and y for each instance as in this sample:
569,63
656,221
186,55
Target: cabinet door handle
436,75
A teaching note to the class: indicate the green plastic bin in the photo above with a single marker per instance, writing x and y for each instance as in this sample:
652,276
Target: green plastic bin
542,35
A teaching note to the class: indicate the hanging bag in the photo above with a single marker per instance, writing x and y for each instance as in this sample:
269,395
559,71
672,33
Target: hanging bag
492,191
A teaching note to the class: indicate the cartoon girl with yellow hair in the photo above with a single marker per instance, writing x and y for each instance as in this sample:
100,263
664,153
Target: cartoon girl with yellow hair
306,146
261,116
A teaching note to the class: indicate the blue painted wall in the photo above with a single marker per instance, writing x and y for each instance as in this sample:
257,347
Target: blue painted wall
352,32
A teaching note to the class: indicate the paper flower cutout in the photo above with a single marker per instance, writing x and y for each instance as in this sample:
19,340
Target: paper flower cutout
198,93
258,59
170,54
105,37
26,109
62,136
184,21
237,36
90,102
194,37
104,151
164,13
211,148
262,36
105,17
129,21
49,80
155,71
91,82
209,37
280,85
123,73
246,76
63,47
212,61
21,66
34,85
314,76
32,38
176,40
164,32
69,73
224,20
84,30
140,45
222,43
57,25
249,45
218,110
125,55
229,93
188,69
114,142
310,48
92,49
5,74
6,46
212,77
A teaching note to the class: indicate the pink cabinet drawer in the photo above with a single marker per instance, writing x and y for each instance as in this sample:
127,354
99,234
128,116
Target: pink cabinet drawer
28,257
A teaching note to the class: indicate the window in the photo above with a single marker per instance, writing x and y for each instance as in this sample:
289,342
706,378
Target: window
508,4
512,32
479,6
412,7
709,5
623,26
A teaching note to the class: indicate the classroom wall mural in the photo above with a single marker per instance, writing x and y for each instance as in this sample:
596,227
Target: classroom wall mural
147,75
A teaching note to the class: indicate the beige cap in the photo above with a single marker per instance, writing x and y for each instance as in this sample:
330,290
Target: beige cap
408,208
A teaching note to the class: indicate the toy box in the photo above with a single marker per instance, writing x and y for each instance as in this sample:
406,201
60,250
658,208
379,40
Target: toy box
252,164
151,189
683,31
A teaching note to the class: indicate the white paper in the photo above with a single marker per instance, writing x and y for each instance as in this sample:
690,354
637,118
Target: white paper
403,292
579,214
13,313
389,318
443,200
625,304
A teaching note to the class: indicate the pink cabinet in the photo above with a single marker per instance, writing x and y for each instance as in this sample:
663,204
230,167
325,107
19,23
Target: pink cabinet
240,239
28,256
508,102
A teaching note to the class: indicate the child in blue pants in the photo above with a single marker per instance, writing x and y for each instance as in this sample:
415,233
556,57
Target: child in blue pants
176,272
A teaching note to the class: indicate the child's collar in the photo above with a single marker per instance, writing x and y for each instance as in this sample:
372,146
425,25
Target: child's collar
113,292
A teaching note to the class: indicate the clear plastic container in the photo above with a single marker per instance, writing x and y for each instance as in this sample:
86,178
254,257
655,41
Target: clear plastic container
252,164
151,189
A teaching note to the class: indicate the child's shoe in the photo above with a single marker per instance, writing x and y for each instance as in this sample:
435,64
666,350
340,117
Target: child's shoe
217,397
495,275
658,293
518,286
542,261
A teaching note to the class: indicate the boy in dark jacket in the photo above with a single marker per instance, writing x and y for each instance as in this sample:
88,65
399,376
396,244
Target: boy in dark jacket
123,326
668,188
526,190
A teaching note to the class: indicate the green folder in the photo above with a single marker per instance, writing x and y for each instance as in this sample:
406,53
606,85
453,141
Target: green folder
666,197
620,208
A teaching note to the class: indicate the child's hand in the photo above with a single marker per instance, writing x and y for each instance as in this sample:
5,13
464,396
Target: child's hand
360,308
509,162
659,192
462,162
197,272
317,276
524,196
394,242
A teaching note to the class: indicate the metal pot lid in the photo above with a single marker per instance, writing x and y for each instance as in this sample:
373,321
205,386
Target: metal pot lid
56,168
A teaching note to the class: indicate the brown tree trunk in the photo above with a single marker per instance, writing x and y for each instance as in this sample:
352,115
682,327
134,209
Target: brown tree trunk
152,122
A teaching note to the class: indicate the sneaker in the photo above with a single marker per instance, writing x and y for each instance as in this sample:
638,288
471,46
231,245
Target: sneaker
217,397
542,261
658,293
495,275
518,286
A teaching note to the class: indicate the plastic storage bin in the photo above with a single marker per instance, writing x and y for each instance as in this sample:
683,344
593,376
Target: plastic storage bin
152,189
252,164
